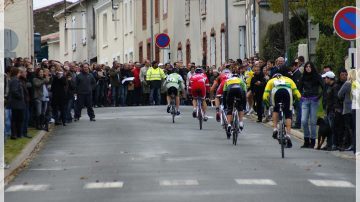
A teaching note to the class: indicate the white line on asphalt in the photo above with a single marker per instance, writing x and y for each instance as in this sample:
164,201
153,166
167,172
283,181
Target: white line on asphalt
332,183
255,182
178,182
29,187
104,185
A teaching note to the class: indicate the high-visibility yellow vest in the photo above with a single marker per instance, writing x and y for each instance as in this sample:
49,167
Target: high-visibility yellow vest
155,74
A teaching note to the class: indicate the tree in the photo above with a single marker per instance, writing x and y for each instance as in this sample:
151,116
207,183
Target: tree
323,11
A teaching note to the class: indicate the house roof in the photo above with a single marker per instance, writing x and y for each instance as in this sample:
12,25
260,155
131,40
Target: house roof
50,37
62,11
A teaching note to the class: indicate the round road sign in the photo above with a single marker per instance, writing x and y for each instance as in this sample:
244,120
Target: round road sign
162,40
345,23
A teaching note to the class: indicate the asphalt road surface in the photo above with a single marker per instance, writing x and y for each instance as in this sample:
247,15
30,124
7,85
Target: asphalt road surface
139,155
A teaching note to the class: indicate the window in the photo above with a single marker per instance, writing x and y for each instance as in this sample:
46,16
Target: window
157,53
141,54
66,39
165,8
223,44
105,29
130,16
188,52
144,20
148,50
203,8
126,21
242,40
157,11
187,11
166,55
212,50
204,60
179,55
131,56
73,32
83,26
116,28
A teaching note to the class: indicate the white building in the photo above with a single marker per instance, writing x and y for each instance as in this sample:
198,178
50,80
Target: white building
77,32
19,29
115,31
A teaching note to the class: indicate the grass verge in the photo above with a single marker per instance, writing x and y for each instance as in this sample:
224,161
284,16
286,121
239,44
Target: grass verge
14,147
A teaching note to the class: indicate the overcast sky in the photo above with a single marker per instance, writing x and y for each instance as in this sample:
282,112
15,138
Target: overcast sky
43,3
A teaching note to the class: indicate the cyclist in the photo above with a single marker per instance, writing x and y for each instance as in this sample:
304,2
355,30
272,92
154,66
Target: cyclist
234,87
173,83
282,90
219,83
199,84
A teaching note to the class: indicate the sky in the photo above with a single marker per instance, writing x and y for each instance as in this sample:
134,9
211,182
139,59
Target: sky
43,3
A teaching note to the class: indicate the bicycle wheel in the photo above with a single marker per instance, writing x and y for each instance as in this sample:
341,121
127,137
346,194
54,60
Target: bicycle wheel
200,119
235,130
282,139
173,112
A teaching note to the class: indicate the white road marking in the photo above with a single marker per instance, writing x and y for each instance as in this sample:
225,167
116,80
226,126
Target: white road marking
255,182
331,183
178,182
29,187
104,185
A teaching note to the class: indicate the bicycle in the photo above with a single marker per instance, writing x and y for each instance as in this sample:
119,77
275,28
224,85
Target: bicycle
223,120
282,132
199,111
173,107
235,125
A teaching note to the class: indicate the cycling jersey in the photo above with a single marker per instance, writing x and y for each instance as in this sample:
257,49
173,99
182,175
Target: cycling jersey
221,80
234,82
282,90
234,87
174,80
199,84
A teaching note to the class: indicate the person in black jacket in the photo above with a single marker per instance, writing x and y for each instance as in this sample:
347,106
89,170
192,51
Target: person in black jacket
257,86
85,83
16,103
69,96
58,89
311,87
296,77
25,85
330,107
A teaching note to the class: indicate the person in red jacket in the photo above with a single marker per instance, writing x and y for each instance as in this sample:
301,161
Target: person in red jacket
137,84
199,84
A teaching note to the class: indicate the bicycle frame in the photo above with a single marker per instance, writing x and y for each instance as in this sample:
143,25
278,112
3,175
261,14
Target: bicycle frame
235,123
282,130
173,106
199,111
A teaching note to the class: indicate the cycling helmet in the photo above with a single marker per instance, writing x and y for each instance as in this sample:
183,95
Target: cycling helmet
199,70
226,71
235,75
277,75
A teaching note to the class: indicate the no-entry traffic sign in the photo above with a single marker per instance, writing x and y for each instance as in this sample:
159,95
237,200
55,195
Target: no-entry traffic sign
162,40
345,23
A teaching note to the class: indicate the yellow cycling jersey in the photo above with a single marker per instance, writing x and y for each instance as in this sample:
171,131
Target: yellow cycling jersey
249,74
282,82
234,81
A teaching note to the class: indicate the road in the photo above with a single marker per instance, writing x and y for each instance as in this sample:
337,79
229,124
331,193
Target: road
138,155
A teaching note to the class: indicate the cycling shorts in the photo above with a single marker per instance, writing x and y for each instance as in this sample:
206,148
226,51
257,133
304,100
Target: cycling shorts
172,90
283,96
198,91
239,93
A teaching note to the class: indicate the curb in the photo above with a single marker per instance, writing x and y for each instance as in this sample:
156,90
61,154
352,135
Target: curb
299,135
18,163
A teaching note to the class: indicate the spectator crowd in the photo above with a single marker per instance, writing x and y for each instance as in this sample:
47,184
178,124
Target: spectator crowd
55,92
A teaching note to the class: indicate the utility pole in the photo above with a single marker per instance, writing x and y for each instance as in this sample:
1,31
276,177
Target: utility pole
286,28
254,26
227,30
152,30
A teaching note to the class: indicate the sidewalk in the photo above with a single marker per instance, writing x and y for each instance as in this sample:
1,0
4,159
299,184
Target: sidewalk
300,136
21,160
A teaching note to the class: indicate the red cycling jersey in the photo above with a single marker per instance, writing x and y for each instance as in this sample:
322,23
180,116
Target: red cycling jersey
199,85
221,80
